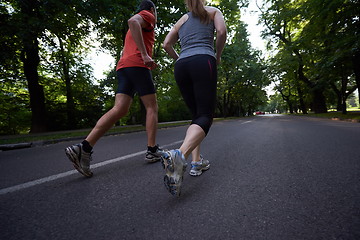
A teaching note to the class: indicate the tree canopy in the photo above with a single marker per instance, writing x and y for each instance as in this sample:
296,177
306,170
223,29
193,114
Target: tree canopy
47,83
316,47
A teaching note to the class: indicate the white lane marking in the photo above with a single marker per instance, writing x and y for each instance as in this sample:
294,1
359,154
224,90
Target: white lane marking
246,122
68,173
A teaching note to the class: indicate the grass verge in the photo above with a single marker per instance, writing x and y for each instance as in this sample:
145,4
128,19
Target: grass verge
351,115
67,135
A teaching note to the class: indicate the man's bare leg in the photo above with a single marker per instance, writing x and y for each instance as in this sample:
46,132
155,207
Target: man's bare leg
120,109
151,107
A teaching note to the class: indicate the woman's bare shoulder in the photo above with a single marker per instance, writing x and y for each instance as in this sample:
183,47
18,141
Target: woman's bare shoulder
212,10
181,21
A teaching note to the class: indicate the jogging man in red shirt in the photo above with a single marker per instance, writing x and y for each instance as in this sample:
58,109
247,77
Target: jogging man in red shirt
134,75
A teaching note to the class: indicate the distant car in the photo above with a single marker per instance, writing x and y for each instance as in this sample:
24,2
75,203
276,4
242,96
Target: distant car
259,113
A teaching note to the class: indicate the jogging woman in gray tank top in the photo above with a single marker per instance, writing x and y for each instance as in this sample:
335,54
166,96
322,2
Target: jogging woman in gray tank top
196,75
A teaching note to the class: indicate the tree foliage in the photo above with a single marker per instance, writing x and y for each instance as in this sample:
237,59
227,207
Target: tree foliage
242,77
47,83
317,44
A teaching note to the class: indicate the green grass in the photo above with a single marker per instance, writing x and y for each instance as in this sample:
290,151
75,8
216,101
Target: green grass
56,136
351,115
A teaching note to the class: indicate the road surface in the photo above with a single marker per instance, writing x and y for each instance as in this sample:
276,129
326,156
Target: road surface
271,177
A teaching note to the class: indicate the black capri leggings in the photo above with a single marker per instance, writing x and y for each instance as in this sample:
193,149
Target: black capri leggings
196,77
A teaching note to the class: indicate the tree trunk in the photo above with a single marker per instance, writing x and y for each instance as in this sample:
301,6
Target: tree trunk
338,96
287,99
30,58
344,83
339,104
319,103
356,67
343,105
224,105
301,100
37,98
70,105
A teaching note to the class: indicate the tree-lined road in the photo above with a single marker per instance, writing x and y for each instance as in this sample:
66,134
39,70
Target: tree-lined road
271,177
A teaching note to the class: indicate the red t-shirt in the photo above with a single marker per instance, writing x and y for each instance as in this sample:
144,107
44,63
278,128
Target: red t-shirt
131,56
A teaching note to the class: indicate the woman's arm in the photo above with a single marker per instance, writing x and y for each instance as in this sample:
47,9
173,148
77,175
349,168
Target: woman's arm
169,43
221,32
173,37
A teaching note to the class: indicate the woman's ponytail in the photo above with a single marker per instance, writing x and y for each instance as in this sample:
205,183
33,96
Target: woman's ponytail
198,10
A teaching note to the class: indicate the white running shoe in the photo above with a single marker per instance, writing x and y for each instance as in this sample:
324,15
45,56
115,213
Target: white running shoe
198,167
174,164
151,157
80,159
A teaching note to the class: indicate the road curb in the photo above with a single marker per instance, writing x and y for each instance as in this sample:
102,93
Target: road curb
6,147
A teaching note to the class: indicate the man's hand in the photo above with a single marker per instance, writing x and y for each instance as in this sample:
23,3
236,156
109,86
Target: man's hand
148,61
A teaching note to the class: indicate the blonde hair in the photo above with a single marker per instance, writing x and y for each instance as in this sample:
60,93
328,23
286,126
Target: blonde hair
198,10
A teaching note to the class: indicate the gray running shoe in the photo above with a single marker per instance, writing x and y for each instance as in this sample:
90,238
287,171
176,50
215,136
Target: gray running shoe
80,159
198,167
174,164
151,157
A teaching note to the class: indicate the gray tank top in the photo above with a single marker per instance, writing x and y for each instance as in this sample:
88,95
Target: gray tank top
196,37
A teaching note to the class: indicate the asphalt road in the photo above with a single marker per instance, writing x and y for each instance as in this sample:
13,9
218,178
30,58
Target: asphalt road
271,177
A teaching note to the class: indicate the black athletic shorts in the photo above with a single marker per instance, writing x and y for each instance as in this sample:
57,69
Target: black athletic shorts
135,79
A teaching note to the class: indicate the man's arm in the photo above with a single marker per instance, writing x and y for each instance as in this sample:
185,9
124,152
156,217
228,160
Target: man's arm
136,23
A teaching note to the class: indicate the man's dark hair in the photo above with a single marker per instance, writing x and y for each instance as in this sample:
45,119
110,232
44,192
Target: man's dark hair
145,5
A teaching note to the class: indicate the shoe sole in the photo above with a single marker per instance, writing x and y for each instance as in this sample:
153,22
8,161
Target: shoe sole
152,160
172,179
73,158
198,173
